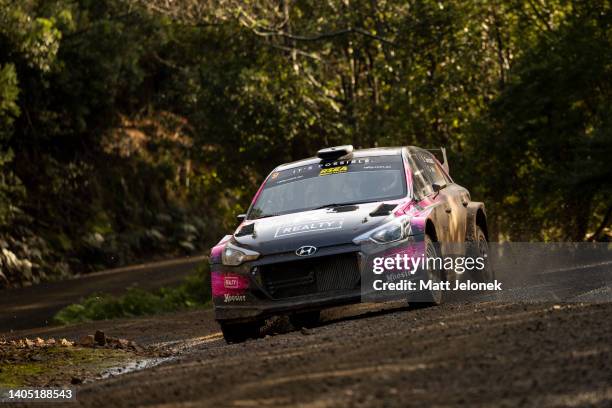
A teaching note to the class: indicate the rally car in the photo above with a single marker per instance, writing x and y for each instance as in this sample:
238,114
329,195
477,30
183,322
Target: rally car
309,236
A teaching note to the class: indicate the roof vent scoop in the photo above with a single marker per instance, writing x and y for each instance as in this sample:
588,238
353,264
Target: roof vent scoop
336,152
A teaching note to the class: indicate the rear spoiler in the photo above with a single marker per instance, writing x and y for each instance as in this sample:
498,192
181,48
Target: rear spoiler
445,160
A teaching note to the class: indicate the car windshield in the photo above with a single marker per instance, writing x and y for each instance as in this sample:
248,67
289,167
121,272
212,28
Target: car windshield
359,180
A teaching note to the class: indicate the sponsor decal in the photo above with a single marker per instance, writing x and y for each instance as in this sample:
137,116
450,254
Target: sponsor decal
289,180
231,282
301,228
225,283
306,250
379,167
333,170
344,162
331,167
233,298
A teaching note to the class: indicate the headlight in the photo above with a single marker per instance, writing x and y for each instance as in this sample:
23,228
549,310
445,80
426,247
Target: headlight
396,230
234,256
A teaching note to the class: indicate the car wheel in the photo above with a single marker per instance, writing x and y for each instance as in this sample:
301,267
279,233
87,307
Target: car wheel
305,319
431,297
239,332
479,247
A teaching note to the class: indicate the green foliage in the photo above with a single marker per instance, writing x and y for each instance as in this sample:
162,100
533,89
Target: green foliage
10,188
194,292
9,90
550,132
122,121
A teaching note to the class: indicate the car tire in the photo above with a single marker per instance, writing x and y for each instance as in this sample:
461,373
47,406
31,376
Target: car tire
240,332
305,319
430,297
478,246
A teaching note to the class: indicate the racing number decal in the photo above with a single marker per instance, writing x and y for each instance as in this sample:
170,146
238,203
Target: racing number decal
333,170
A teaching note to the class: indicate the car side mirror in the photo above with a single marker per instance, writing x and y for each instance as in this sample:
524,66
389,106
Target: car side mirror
241,217
437,187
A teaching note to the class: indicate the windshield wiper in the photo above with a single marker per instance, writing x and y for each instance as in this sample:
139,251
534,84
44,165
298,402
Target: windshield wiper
266,216
333,205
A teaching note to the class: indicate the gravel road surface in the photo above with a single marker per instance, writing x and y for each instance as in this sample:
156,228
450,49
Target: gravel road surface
502,353
474,355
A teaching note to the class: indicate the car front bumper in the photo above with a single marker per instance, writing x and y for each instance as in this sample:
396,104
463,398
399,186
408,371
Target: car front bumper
241,293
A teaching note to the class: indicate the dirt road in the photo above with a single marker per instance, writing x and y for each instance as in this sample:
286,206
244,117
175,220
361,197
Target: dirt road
35,306
484,355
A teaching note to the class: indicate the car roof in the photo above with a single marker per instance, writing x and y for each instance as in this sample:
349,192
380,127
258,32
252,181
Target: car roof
378,151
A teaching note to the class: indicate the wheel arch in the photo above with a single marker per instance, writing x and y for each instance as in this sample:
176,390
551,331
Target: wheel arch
430,229
476,217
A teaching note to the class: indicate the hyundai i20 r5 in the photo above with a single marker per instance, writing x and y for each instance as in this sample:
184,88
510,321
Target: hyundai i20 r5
315,226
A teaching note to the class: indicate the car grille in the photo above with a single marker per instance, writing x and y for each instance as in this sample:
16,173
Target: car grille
309,276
